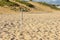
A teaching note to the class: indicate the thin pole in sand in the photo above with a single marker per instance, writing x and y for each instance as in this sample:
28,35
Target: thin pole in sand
21,27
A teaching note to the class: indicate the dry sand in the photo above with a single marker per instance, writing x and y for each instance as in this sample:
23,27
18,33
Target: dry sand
40,26
9,26
29,26
36,26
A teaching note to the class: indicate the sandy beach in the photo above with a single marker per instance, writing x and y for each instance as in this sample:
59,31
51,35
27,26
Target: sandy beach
20,20
30,26
9,26
43,26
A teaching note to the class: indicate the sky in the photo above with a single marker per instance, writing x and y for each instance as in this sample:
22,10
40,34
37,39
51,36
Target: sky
50,1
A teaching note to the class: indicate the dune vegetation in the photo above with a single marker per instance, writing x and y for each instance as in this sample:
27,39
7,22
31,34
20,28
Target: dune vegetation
28,6
49,5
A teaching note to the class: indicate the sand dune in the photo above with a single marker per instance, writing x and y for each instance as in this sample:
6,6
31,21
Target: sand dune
41,7
35,25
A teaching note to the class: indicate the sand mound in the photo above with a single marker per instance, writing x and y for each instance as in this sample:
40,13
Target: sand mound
41,7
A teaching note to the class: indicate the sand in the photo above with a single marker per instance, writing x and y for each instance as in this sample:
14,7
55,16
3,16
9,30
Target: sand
9,26
40,26
30,26
36,25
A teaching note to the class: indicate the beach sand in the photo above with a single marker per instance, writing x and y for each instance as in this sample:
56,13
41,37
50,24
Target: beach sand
30,26
9,26
40,26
